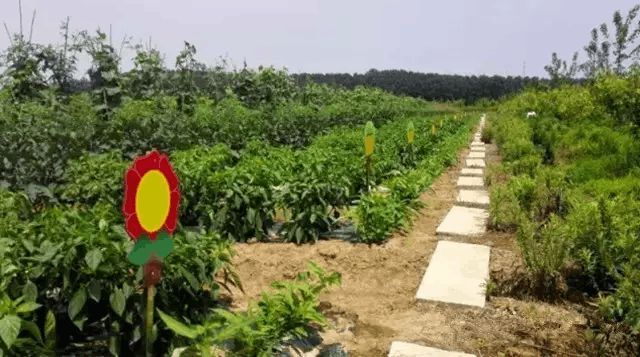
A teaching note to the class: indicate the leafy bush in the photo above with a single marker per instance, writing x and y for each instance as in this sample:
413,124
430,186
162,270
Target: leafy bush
378,216
511,203
581,193
94,178
619,96
545,250
487,133
76,270
290,311
320,187
194,167
36,142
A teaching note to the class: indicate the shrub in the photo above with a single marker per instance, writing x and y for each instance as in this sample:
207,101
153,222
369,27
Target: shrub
194,167
511,203
76,269
487,133
94,178
377,216
288,312
545,251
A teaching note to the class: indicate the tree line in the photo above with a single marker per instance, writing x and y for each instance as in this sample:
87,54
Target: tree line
430,86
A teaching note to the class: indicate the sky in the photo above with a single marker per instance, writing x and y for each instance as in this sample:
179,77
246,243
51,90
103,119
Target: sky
503,37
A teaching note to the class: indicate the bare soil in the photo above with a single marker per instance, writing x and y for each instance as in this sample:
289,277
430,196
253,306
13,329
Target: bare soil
376,303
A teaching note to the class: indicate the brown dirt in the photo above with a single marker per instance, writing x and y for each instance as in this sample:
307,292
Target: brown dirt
375,304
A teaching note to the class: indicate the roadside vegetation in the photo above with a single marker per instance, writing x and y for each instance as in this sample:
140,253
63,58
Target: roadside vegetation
569,186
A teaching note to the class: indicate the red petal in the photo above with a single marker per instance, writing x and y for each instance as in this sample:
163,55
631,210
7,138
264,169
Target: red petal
131,182
172,217
133,227
146,163
152,235
167,170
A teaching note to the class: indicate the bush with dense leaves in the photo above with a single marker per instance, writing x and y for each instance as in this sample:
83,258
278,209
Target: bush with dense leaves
73,262
574,193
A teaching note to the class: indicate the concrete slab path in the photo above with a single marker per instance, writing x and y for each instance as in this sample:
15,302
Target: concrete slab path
464,221
457,274
406,349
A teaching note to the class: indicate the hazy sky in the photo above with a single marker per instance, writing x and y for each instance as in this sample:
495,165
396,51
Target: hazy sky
445,36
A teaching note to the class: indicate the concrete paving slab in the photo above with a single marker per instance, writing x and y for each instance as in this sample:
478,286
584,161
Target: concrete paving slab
476,155
471,172
463,222
457,274
406,349
473,198
474,163
470,182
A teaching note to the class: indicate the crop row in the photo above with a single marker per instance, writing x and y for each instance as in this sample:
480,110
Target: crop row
309,191
37,140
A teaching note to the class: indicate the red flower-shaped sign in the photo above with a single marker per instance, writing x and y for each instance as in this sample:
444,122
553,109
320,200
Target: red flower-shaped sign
151,196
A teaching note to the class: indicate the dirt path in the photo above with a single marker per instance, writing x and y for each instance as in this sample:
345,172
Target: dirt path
376,302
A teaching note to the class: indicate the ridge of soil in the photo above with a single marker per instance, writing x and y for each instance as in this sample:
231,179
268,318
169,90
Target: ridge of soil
376,303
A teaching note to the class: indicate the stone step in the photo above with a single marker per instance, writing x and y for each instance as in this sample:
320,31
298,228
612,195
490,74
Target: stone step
470,182
464,222
477,149
473,198
406,349
471,172
457,274
476,155
474,163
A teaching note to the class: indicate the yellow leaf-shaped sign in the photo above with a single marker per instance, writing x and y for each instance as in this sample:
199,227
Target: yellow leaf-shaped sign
369,142
411,133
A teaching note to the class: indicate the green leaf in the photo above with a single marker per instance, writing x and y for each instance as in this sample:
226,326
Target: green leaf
141,251
178,327
50,327
93,258
190,278
163,245
95,290
30,291
77,303
33,330
79,321
117,301
9,329
27,307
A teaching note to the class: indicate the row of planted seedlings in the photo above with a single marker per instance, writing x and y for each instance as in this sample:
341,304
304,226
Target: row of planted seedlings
294,194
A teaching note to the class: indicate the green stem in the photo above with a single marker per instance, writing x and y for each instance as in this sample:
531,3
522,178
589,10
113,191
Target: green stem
148,319
368,170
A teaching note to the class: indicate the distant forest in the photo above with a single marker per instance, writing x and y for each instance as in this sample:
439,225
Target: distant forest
430,86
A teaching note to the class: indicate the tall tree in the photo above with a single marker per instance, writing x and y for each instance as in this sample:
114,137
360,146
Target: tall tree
624,37
558,70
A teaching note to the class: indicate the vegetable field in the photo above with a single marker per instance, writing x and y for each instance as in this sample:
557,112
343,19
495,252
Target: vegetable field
316,217
260,160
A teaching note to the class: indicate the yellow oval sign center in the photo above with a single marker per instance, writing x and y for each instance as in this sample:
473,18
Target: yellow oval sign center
153,199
